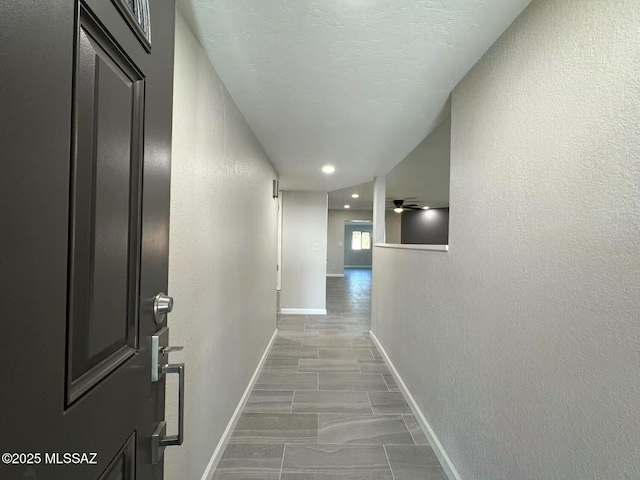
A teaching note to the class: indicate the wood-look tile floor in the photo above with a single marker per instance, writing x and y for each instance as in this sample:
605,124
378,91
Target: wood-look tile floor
325,406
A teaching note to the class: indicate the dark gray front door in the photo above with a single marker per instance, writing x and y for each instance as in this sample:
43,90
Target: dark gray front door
85,130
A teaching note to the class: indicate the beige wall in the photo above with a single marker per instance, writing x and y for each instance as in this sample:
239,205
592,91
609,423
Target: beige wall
304,252
522,343
222,269
335,237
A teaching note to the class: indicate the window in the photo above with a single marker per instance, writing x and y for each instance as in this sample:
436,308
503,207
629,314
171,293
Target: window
356,241
361,241
366,241
136,14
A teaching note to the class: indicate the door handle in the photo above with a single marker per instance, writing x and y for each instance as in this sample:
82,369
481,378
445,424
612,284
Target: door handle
159,439
176,439
160,349
167,350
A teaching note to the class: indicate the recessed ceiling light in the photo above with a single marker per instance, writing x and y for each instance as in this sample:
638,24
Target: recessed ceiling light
398,210
347,206
328,169
355,195
425,208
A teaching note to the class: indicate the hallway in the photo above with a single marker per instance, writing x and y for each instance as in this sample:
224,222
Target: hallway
325,404
304,240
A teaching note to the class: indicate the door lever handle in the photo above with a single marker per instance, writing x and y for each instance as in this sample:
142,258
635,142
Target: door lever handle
167,350
160,348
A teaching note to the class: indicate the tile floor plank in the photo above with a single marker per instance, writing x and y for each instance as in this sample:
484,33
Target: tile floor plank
373,366
357,353
383,403
327,341
288,351
363,429
362,342
335,462
286,341
414,462
280,365
414,429
287,381
275,428
352,381
391,383
331,402
295,324
328,365
250,462
264,401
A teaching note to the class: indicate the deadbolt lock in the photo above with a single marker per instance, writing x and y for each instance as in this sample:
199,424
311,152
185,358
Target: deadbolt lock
162,304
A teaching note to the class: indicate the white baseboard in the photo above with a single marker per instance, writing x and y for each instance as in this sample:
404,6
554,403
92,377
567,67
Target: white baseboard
303,311
222,444
445,461
335,274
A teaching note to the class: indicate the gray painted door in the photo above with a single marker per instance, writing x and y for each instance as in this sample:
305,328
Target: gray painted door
85,128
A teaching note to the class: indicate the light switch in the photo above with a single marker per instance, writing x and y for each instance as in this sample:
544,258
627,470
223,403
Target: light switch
339,244
316,246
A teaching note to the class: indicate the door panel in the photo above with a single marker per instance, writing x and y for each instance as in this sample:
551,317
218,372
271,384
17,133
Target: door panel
122,466
85,122
105,209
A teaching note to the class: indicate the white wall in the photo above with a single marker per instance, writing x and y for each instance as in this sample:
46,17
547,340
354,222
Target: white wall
379,214
335,237
304,252
393,223
279,242
522,343
222,269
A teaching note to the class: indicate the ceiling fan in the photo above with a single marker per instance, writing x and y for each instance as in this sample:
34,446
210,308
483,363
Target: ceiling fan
399,206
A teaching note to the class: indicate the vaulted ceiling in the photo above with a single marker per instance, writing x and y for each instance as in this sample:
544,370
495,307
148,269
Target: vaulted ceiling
353,83
422,177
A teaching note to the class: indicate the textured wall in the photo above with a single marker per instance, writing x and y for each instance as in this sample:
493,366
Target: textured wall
522,343
304,250
393,224
222,269
335,236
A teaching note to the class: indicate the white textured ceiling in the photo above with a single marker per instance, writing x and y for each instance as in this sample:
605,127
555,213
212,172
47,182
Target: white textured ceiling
339,198
354,83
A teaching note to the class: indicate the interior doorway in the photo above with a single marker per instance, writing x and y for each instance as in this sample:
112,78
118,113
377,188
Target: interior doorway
358,237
